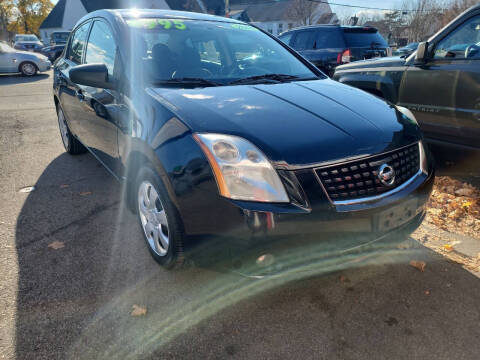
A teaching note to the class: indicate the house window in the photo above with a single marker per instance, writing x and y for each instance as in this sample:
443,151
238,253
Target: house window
290,25
280,28
270,30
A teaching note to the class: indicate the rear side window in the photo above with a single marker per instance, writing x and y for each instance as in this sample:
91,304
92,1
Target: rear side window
329,38
364,38
304,40
101,46
286,38
77,44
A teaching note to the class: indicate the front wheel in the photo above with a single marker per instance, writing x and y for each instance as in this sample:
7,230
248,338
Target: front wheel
28,69
70,143
159,220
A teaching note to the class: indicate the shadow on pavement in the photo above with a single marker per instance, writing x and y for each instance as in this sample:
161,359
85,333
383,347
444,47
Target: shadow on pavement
11,79
76,301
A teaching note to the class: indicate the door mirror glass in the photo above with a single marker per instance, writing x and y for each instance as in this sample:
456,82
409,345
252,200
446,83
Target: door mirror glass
421,55
94,75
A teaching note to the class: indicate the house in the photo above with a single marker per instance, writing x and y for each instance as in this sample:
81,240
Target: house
66,13
278,16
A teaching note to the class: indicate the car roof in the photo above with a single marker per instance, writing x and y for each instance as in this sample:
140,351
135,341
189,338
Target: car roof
155,13
328,26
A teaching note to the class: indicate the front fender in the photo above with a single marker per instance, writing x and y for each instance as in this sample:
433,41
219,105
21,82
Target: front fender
372,83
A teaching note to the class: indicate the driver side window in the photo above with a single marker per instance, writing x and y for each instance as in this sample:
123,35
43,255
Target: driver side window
462,43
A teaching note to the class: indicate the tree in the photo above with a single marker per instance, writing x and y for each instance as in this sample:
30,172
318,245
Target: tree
455,9
26,16
304,12
6,7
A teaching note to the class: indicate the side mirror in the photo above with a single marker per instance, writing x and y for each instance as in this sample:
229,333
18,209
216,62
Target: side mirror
421,55
94,75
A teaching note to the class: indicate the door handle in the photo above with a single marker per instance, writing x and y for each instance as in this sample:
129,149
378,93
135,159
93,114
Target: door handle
79,95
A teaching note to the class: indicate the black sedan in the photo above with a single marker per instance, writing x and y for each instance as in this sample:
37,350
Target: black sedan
219,130
53,52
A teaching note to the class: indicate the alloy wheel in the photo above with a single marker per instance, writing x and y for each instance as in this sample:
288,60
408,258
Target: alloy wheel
153,218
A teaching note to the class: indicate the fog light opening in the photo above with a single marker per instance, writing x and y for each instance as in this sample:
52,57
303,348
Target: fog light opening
265,260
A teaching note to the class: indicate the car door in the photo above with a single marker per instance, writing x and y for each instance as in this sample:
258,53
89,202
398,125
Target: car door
444,92
70,92
8,61
100,104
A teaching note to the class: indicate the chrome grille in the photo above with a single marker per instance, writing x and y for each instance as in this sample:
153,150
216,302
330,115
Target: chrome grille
359,178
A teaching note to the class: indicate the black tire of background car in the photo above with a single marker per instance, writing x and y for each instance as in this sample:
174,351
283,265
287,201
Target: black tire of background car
75,147
23,72
174,258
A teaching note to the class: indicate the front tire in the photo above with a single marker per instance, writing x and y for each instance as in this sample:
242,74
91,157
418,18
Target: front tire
70,143
28,69
159,220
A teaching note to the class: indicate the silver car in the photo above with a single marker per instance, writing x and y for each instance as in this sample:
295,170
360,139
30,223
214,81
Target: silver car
14,61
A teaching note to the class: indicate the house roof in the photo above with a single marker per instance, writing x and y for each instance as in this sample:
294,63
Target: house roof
263,11
55,18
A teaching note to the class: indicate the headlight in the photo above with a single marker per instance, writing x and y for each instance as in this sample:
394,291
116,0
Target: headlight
408,115
423,158
242,171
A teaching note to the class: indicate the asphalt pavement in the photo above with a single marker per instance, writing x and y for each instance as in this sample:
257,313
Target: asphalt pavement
73,263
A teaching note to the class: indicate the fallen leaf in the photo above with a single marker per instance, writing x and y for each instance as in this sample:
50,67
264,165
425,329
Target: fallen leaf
464,192
419,265
138,310
427,292
344,279
56,245
85,193
64,186
448,247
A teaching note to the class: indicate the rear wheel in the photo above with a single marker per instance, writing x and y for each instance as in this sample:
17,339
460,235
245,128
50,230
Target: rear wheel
159,220
28,69
70,143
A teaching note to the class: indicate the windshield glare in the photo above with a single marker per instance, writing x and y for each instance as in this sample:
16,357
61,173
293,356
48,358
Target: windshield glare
26,38
216,51
5,48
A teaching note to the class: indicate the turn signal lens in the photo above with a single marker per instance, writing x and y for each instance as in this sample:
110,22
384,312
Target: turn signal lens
242,171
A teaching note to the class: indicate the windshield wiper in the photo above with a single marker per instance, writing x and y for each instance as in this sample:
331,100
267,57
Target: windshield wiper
188,81
275,78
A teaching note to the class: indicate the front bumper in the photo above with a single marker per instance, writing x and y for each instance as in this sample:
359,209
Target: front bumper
290,239
44,66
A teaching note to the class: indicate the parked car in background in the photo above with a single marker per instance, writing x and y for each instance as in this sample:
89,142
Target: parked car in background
406,50
27,63
53,52
327,46
59,38
439,83
27,43
220,130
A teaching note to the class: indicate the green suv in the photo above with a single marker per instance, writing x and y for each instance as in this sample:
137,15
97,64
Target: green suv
439,83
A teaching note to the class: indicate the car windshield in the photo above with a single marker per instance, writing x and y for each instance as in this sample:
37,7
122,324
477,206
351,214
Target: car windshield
5,48
364,38
26,38
60,36
221,52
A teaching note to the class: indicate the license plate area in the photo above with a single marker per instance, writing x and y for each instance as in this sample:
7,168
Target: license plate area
396,216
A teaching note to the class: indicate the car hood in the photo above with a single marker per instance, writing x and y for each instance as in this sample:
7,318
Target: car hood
296,123
373,63
27,55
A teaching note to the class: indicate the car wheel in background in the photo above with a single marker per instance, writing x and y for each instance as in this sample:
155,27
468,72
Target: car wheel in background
71,144
28,68
159,220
